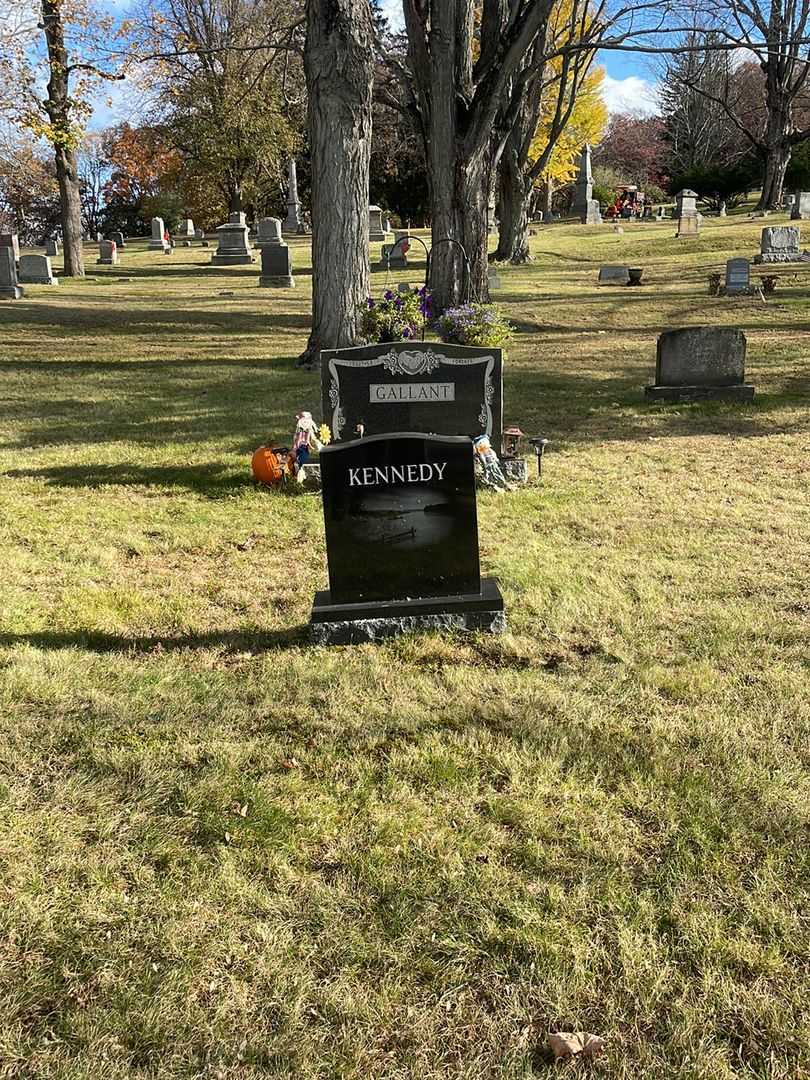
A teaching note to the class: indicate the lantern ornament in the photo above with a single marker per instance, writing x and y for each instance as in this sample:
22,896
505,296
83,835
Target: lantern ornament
511,441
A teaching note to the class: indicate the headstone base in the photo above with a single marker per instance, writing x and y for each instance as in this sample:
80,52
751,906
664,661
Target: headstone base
353,624
106,262
11,292
738,392
277,282
782,257
232,260
157,245
382,237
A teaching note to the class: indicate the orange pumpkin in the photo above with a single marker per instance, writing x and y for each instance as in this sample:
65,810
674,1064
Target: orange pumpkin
267,466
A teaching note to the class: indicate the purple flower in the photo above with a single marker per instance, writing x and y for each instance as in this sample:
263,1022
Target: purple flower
370,302
388,295
406,333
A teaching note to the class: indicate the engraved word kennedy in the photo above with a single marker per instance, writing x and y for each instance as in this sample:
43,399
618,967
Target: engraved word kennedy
372,476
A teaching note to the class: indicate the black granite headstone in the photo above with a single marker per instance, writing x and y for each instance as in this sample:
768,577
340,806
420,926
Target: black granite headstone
401,539
413,386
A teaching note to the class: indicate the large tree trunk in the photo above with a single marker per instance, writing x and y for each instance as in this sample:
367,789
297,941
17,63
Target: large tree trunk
338,61
71,205
777,141
514,193
57,106
777,159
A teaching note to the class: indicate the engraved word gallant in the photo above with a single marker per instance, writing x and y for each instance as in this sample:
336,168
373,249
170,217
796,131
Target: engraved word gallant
437,391
372,476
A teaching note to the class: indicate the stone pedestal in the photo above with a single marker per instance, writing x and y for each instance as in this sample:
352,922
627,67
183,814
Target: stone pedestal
234,244
583,192
276,267
293,223
686,212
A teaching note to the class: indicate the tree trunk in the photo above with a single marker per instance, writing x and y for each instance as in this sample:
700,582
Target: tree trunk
58,105
338,61
549,198
234,197
514,191
777,159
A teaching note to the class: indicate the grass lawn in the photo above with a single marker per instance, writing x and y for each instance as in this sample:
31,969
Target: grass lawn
226,854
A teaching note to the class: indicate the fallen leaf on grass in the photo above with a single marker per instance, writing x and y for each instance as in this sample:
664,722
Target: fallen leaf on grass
290,763
567,1044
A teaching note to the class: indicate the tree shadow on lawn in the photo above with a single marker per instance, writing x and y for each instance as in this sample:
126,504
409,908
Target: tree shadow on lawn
72,322
215,480
245,272
232,641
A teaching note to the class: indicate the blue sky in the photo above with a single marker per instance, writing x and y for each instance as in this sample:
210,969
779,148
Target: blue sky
629,84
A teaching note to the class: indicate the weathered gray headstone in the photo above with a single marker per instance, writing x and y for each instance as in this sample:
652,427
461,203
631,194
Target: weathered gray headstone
738,276
800,210
234,244
592,215
779,243
107,253
613,275
686,211
9,288
36,270
118,239
376,230
276,267
11,240
158,239
269,232
51,246
186,230
700,362
396,255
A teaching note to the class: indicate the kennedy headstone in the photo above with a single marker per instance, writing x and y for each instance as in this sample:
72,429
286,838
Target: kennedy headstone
36,270
401,540
413,386
158,240
779,243
700,362
9,289
738,277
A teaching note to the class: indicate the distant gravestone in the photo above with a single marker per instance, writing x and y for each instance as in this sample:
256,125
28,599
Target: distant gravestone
738,277
269,232
118,239
158,238
376,230
11,240
395,255
407,501
686,210
700,362
779,243
36,270
413,386
186,230
614,275
276,267
51,246
233,243
9,287
107,253
800,210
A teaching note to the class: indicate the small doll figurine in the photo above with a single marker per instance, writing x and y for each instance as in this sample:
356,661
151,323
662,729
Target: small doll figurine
305,440
487,461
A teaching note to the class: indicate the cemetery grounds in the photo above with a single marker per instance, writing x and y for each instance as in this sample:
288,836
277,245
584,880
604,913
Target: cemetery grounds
226,854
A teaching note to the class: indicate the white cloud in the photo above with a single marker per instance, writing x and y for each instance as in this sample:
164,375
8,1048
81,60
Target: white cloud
392,9
630,95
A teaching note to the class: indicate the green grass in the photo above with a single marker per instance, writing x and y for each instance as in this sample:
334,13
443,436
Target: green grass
224,853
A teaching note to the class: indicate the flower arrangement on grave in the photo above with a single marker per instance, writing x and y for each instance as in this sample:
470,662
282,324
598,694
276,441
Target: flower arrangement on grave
397,316
474,324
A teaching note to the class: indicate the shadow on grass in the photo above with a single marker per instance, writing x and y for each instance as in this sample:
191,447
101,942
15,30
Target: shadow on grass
213,480
94,641
158,322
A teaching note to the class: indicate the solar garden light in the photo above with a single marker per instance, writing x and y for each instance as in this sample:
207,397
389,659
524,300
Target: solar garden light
539,449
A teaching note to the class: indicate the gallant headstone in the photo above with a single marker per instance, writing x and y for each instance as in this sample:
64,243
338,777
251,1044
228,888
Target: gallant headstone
413,386
401,540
